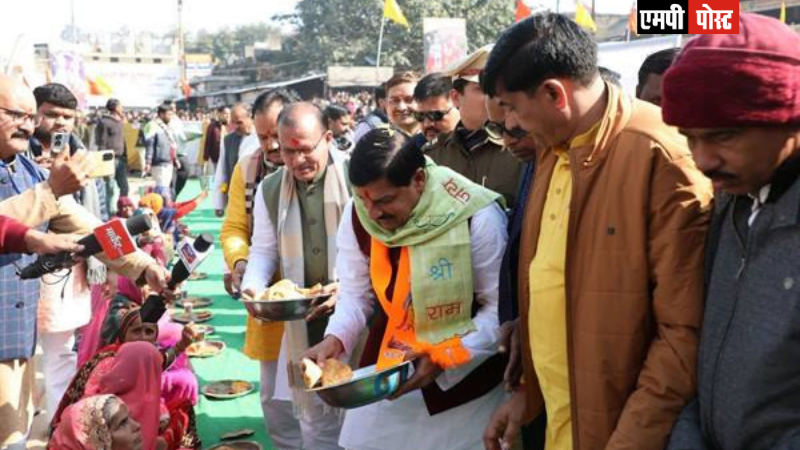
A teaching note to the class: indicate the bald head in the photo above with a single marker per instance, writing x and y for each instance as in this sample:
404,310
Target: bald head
302,115
240,118
16,116
13,90
304,141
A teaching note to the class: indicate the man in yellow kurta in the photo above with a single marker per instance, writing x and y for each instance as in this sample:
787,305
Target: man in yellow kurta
610,277
262,339
547,318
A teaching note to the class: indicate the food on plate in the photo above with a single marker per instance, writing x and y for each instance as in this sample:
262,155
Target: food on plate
333,372
229,388
287,290
203,348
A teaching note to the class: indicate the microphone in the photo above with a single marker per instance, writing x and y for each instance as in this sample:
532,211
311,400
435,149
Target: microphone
192,254
91,246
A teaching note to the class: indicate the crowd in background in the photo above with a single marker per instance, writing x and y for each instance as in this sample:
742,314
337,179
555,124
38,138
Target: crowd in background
565,265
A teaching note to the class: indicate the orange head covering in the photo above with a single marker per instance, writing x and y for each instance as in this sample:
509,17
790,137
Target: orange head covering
153,201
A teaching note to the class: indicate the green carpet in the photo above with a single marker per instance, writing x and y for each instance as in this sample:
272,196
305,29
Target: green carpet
216,417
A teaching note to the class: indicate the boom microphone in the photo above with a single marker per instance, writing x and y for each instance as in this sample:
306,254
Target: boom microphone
91,246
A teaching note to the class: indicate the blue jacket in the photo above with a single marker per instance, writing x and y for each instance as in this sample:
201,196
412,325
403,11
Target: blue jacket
18,299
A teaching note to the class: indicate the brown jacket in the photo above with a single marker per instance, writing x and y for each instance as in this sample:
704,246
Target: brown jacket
38,204
487,163
634,278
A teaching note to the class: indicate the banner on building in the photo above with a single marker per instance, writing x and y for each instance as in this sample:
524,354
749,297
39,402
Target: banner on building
198,65
141,85
445,42
69,69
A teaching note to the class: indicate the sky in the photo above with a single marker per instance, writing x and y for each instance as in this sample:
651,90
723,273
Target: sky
161,15
37,21
42,20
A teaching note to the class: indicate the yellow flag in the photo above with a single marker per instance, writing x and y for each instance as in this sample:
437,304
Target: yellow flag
583,17
783,12
391,10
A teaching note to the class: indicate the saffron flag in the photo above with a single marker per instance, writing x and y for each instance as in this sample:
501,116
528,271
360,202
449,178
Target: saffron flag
391,10
783,12
99,86
583,17
523,11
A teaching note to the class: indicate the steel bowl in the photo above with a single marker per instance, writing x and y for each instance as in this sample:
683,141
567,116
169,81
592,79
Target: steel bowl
367,386
282,310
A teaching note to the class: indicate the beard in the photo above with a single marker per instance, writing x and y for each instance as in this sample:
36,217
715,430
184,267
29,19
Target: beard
43,136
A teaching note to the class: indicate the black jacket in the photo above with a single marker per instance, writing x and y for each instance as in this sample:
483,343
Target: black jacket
109,135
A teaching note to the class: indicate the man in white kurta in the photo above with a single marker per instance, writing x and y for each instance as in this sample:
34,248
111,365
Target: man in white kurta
405,422
296,212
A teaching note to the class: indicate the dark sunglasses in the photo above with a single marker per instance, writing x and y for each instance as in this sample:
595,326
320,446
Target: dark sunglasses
433,116
495,130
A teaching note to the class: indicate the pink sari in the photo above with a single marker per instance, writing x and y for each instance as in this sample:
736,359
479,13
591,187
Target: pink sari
90,339
178,382
83,426
133,375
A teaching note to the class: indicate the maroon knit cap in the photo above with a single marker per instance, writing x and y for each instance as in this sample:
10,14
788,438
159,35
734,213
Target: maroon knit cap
736,80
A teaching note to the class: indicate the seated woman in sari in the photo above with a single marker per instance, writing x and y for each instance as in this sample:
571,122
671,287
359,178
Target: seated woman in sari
175,416
100,422
116,286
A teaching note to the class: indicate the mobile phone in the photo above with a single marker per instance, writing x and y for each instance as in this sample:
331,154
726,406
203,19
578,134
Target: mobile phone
102,163
59,142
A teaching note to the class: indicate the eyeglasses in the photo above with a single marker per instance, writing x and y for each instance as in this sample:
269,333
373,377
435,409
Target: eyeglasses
495,130
433,116
291,153
20,117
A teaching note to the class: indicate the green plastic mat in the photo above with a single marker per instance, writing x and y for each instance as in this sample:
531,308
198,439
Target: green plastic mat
217,417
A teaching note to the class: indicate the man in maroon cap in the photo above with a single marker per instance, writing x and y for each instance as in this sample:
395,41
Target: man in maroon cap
737,100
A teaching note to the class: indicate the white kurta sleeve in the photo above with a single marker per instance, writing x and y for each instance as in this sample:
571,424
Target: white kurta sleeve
263,259
488,238
356,299
217,197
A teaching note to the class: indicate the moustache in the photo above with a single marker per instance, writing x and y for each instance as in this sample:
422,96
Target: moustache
718,175
21,134
431,130
385,217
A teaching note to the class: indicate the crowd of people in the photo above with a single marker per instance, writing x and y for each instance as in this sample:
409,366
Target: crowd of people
567,265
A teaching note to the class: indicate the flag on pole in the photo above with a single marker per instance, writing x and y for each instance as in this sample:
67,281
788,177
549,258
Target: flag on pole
583,17
391,11
99,86
632,21
783,12
523,12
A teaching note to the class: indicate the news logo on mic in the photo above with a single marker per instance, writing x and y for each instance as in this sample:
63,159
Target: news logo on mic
114,239
188,255
687,17
191,255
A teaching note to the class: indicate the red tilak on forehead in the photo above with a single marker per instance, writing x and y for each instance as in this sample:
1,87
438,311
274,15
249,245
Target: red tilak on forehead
295,142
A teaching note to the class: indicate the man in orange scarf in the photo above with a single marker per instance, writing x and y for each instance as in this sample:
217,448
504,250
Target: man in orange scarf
429,243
